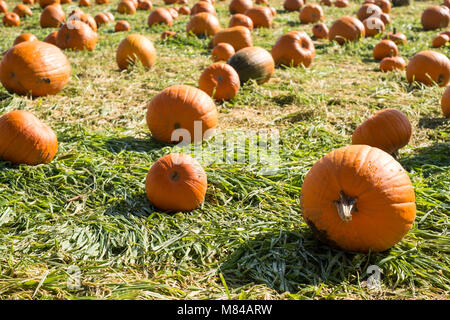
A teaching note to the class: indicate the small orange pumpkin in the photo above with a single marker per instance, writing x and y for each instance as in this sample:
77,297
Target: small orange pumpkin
440,41
239,6
261,16
373,26
222,52
184,10
76,35
311,13
220,81
3,7
84,3
122,26
44,3
126,7
101,1
385,18
326,3
168,34
368,10
101,19
293,5
320,31
145,5
293,49
11,19
429,67
176,182
385,48
385,5
239,37
398,38
25,37
253,63
160,16
23,10
341,3
203,24
203,6
240,19
346,29
435,17
392,63
25,139
181,107
52,17
135,47
51,38
445,103
28,2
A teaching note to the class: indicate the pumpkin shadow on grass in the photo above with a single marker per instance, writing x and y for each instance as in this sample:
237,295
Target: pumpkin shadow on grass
134,205
287,260
143,145
433,123
437,155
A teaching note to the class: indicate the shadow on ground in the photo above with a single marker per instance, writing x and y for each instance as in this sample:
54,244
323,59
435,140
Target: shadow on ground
145,145
135,205
433,123
437,155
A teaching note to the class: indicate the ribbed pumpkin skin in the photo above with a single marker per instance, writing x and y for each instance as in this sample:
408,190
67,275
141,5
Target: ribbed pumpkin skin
24,37
176,182
239,37
135,47
178,107
435,17
203,24
52,17
392,63
388,129
240,19
24,139
346,29
429,67
445,103
76,35
253,63
160,16
385,202
261,16
294,48
36,68
239,6
220,81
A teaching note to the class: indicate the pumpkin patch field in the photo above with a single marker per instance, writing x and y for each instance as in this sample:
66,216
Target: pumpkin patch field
134,136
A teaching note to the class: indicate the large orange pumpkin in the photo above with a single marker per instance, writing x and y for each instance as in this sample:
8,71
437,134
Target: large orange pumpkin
346,29
25,139
160,16
181,107
52,16
253,63
239,37
240,6
293,5
311,13
176,182
429,67
358,198
76,35
34,67
293,49
134,47
203,24
388,129
220,81
240,19
261,16
435,17
445,102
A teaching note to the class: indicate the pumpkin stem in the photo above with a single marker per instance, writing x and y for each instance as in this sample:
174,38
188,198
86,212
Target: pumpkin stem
345,206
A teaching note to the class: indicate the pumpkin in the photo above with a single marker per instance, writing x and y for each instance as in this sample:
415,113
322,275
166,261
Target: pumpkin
65,1
240,6
203,6
293,5
83,17
84,3
170,1
261,16
273,11
239,37
368,10
181,107
445,102
11,19
320,31
25,139
100,19
293,49
346,29
388,129
222,52
373,26
435,17
265,2
52,17
36,68
160,16
110,16
446,3
385,5
203,24
385,18
101,1
168,34
311,13
30,2
51,38
174,13
122,25
253,63
3,7
429,67
126,7
23,10
358,198
25,37
240,19
392,63
145,5
398,38
135,47
76,35
44,3
341,3
176,182
181,1
134,2
220,81
383,49
184,11
327,3
440,40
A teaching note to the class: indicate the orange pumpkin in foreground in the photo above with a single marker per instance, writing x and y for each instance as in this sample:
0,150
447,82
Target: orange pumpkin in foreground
135,47
293,49
36,68
182,107
429,67
176,182
25,139
358,198
220,81
388,129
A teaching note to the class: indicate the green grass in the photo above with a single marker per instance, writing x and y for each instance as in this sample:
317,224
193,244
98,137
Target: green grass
248,240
